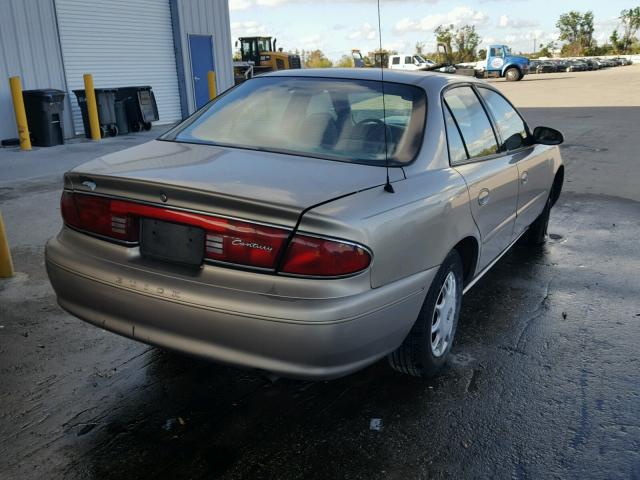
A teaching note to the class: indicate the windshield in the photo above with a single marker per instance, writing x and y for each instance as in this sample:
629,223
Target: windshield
507,51
264,44
336,119
419,59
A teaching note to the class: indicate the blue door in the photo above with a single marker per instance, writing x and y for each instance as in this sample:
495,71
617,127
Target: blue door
201,48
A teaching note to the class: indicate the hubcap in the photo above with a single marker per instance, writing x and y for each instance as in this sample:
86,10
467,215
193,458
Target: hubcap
443,316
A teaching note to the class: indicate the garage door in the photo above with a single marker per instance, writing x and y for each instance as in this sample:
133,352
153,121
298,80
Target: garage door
121,42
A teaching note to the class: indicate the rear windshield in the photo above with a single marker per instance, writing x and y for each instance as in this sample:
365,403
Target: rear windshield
328,118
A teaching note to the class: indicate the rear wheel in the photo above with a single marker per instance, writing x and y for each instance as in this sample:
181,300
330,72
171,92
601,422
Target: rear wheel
429,342
512,74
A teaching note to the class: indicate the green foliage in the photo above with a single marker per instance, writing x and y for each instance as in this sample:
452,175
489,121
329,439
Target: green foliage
630,22
576,29
444,34
316,59
420,46
346,61
546,50
465,38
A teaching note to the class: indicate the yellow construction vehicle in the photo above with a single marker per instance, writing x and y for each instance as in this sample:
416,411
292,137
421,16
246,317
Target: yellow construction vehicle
262,53
376,59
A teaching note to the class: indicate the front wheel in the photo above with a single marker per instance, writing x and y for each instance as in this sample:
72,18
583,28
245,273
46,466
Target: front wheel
537,232
429,342
512,74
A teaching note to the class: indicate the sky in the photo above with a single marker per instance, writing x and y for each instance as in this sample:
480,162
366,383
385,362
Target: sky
337,26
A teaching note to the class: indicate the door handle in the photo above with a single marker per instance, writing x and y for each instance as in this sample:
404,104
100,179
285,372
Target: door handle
524,177
483,197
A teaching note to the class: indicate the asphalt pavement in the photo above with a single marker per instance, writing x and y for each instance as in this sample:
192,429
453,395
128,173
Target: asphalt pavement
543,382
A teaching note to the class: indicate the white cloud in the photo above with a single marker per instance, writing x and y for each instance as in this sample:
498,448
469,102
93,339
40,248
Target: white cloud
365,32
506,22
312,42
239,4
245,4
247,29
457,16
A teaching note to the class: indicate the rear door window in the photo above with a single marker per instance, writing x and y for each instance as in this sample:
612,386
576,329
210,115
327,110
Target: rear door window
476,129
457,152
512,128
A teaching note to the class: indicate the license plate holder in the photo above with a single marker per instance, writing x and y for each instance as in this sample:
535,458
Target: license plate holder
171,242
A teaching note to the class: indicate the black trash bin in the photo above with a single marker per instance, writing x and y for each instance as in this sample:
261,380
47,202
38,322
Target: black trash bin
121,117
142,108
44,110
105,100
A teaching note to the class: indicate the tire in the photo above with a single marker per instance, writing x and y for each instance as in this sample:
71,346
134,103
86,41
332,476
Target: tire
537,232
421,354
512,74
113,130
136,126
146,126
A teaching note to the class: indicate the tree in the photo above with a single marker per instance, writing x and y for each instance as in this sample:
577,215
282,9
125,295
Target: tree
444,35
546,50
420,46
482,54
577,30
345,61
467,40
316,59
630,21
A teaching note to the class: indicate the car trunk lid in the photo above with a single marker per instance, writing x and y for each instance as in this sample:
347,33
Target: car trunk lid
258,186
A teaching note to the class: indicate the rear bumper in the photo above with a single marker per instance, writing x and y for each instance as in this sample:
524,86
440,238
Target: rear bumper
293,336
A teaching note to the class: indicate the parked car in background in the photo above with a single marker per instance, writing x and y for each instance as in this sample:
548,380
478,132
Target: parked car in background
302,224
591,64
409,62
576,66
545,67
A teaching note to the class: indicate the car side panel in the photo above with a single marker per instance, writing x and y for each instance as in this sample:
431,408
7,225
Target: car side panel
535,170
493,192
409,231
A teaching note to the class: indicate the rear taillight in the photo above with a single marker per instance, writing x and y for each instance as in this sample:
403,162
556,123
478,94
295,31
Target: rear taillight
98,215
311,256
226,240
244,243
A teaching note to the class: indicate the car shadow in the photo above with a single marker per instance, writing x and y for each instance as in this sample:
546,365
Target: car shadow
535,78
185,417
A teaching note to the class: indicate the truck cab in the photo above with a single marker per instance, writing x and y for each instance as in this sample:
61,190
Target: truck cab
500,62
261,53
409,62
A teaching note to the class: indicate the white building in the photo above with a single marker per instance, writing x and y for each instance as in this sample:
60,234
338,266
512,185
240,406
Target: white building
166,44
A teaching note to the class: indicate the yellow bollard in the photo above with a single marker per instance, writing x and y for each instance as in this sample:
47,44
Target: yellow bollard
92,106
211,76
6,265
21,115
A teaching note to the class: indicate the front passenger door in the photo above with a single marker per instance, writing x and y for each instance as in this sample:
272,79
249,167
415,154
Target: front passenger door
535,165
491,178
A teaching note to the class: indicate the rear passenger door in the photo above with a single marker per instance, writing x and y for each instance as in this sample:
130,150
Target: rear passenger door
491,178
534,163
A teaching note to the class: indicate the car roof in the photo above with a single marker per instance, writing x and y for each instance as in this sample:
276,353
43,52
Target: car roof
427,80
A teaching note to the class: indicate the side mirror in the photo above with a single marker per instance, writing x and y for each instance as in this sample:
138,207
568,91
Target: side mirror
547,136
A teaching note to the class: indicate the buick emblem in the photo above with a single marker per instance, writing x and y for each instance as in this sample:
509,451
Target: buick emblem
163,197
